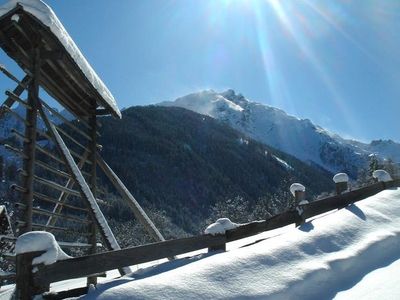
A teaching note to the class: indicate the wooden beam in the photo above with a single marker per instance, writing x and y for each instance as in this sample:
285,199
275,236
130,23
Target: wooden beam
29,147
86,193
137,210
100,262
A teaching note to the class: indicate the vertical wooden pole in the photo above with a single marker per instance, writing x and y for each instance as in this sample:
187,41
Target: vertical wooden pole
25,288
29,144
93,182
341,187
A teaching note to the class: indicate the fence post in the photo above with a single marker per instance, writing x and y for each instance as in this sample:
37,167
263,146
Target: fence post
341,181
299,192
25,286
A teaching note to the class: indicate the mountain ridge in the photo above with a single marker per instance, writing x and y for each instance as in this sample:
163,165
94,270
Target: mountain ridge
299,137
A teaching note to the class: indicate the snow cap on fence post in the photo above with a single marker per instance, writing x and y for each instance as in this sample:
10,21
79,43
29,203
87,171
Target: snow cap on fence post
34,248
341,180
298,191
382,176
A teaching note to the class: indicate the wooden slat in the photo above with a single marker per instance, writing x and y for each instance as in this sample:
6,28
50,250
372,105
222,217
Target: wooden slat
15,98
59,216
51,169
46,198
56,186
17,91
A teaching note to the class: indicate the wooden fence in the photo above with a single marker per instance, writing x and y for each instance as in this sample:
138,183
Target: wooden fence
98,263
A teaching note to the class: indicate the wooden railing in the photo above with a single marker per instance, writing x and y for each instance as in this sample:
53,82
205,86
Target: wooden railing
97,263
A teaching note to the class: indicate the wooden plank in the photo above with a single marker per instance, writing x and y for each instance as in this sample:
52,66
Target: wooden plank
51,169
101,262
56,186
86,193
60,216
46,198
137,210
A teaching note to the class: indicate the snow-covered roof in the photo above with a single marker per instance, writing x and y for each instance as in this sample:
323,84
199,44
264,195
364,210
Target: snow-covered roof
67,76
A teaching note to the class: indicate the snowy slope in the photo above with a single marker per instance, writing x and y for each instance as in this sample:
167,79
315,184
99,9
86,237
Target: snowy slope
337,254
298,137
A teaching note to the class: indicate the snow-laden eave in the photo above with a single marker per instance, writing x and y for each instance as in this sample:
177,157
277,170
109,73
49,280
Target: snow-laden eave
46,17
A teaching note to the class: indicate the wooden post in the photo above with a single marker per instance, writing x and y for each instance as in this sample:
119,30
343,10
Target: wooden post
29,145
25,286
341,187
93,183
299,196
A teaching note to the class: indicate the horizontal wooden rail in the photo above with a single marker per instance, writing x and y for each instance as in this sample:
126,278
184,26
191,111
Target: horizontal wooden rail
97,263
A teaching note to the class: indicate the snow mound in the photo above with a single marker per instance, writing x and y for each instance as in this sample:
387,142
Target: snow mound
220,226
382,176
40,241
297,187
341,177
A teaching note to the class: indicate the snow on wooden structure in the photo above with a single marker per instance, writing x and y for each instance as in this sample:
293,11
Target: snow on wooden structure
59,182
101,262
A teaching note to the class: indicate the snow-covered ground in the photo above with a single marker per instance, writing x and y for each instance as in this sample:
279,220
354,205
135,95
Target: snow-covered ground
346,254
352,253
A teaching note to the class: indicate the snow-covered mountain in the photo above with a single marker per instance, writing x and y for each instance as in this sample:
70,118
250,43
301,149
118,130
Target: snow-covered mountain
298,137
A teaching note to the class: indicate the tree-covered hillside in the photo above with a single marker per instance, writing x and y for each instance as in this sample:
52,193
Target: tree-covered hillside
185,163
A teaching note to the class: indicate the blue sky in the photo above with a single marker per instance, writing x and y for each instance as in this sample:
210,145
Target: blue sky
336,63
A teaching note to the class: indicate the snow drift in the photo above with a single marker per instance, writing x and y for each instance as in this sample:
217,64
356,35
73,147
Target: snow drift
330,254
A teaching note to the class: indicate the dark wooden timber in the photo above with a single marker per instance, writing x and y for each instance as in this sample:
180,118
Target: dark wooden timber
99,262
139,213
60,216
25,286
93,184
17,116
17,91
51,169
18,99
29,147
56,186
341,187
